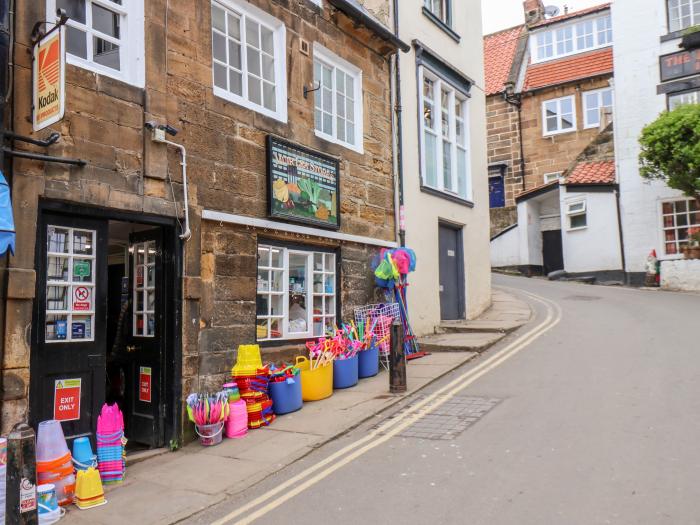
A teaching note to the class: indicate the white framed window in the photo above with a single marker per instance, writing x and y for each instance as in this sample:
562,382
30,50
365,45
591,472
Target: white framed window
677,217
106,37
576,215
440,8
679,99
444,136
144,290
565,40
248,58
70,284
593,103
559,116
317,2
682,14
551,177
296,293
338,102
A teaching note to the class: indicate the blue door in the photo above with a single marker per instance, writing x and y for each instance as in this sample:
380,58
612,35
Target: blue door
497,193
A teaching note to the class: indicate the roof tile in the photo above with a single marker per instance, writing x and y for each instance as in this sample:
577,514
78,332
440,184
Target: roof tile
568,69
499,53
593,173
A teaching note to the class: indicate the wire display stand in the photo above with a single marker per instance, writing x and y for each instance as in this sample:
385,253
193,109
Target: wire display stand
380,317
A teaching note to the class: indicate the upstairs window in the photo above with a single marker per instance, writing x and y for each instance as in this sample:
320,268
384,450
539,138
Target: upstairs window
593,103
551,177
565,40
682,14
440,8
338,101
248,58
559,116
105,36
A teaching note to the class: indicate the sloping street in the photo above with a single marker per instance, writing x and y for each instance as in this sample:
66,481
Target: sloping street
592,421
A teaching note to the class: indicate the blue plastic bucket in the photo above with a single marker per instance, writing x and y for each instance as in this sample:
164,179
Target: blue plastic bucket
345,372
286,395
369,363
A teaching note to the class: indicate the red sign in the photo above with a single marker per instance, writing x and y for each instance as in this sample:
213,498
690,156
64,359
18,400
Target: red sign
82,300
145,384
66,399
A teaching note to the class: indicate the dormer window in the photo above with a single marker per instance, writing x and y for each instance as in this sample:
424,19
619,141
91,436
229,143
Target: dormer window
572,38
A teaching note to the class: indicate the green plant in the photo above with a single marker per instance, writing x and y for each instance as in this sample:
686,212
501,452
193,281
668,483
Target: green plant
174,445
694,236
690,30
670,150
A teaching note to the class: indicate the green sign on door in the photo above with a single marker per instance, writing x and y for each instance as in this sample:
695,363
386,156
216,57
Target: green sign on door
81,268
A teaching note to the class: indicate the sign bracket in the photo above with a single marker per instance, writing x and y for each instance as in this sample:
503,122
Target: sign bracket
45,143
38,34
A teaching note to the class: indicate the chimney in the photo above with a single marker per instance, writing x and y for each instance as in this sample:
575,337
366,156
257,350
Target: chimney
534,11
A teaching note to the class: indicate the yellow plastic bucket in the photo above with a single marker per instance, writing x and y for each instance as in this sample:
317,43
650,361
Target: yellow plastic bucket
315,384
248,361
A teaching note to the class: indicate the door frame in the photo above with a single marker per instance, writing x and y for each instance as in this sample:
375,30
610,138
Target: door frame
171,359
461,274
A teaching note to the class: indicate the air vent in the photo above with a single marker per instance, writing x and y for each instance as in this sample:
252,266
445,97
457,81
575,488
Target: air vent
304,46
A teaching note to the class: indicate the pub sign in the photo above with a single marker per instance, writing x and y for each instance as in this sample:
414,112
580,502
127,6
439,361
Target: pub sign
303,185
679,65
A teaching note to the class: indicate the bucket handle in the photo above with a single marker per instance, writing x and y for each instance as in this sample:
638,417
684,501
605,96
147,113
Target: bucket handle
86,465
221,428
301,359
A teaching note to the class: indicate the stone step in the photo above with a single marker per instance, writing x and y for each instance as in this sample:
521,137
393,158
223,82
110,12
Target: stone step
479,325
460,342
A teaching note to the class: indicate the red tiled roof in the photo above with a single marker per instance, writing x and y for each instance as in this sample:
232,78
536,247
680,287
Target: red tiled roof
568,69
574,14
593,173
499,52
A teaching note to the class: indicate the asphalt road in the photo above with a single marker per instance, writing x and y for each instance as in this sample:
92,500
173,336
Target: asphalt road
595,421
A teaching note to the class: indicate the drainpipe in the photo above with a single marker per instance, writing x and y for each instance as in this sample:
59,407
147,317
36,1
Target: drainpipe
620,232
398,135
516,100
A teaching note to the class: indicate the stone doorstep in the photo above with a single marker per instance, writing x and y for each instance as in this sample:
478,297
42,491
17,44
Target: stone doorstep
477,342
479,325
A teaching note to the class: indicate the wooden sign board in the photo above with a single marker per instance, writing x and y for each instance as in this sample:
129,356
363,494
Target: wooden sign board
49,79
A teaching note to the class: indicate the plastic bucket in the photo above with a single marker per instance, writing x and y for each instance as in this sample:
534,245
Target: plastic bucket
345,373
286,395
316,384
368,362
46,497
237,422
83,458
48,517
210,435
50,441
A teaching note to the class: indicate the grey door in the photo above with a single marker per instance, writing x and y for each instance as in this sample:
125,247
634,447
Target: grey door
451,273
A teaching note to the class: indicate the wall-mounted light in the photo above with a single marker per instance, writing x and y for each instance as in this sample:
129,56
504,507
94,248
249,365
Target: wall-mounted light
311,89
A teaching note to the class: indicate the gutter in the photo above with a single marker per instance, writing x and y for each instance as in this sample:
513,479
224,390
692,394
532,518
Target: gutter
360,15
397,113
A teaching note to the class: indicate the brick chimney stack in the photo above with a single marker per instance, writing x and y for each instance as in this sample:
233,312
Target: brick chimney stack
534,11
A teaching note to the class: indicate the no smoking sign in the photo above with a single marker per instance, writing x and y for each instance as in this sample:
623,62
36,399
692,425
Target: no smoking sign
82,298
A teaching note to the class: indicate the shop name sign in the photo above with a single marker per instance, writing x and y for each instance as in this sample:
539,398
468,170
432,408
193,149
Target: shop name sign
679,65
49,79
303,185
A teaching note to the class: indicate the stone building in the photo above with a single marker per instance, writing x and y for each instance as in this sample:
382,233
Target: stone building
125,290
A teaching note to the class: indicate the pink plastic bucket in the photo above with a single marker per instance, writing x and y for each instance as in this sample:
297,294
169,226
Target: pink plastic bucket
237,422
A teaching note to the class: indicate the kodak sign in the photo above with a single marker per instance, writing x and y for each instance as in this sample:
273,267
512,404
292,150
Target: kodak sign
48,89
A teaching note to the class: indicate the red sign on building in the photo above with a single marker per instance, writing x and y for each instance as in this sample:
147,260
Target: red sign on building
66,399
145,384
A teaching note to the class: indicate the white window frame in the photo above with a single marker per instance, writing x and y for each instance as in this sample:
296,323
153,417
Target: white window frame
546,42
599,103
551,177
455,96
559,130
445,6
327,271
582,211
663,228
677,22
132,60
143,288
330,59
687,97
245,10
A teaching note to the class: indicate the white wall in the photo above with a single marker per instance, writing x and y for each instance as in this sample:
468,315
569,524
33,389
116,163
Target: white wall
596,247
529,233
422,210
505,249
637,27
681,275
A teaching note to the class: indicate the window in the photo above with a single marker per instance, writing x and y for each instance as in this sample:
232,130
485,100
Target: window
683,14
296,296
440,8
677,218
248,58
338,102
678,99
565,40
444,137
559,116
593,103
105,36
551,177
144,289
576,214
70,285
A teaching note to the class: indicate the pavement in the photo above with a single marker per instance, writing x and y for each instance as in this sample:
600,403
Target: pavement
172,487
586,415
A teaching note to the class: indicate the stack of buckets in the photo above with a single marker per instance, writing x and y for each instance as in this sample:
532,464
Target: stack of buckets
3,474
252,380
88,486
236,425
111,459
54,463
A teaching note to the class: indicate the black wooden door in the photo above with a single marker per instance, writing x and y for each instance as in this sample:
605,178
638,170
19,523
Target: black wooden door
140,356
68,355
451,273
552,251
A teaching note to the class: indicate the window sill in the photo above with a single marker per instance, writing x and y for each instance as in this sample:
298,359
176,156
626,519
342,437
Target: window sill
671,36
580,228
104,71
240,101
447,196
442,25
332,140
555,133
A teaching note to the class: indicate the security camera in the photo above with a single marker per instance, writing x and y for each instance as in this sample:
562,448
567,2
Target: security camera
168,129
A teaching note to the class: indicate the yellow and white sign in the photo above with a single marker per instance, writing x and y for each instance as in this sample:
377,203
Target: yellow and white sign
49,79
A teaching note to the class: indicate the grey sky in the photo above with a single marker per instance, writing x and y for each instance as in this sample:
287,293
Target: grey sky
501,14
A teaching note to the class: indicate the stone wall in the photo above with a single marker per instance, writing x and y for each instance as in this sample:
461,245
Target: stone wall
681,275
502,218
504,143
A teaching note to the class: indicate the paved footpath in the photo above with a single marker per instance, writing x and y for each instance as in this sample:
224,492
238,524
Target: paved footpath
171,487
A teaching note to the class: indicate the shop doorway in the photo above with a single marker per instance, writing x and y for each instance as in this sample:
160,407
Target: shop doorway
106,326
452,303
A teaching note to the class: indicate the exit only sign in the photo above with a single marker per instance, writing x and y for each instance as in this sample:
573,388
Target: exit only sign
66,405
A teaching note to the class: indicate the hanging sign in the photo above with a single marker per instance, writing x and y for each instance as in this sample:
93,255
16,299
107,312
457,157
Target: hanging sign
66,404
82,298
49,79
145,384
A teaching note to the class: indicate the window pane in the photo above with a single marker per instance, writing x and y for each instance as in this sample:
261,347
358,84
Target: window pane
75,9
339,81
234,54
76,42
328,123
350,139
430,160
253,61
298,317
220,76
57,240
447,165
56,327
57,298
340,105
57,269
462,173
428,88
340,126
105,21
268,68
106,53
82,242
269,96
218,47
428,117
254,90
578,221
234,26
350,110
218,18
267,40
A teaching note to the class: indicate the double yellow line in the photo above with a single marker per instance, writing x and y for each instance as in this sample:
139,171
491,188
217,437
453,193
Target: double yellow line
383,433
